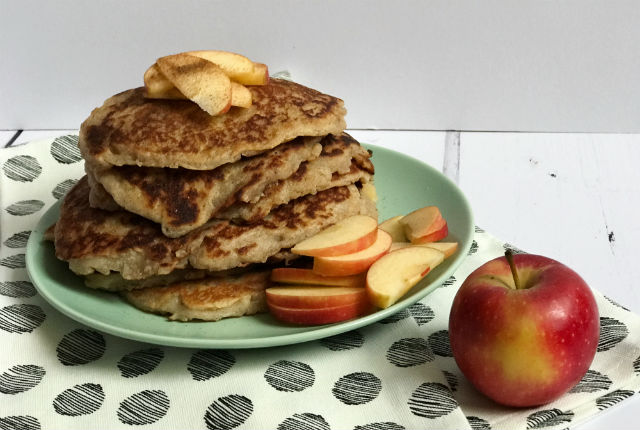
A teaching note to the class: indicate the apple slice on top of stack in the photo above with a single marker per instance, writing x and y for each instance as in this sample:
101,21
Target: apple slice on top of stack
359,265
214,80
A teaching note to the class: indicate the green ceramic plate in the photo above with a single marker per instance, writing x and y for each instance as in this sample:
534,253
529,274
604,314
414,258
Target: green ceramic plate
403,184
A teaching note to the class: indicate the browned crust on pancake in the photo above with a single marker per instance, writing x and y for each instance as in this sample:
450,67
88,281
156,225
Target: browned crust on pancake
95,240
132,130
209,299
182,200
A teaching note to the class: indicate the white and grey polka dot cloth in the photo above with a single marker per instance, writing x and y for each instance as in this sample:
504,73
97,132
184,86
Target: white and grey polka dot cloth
395,374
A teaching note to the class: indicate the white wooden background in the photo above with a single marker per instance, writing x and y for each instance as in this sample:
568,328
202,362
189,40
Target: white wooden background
571,197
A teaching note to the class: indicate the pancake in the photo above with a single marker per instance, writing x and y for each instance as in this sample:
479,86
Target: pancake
129,129
182,200
93,240
209,299
304,181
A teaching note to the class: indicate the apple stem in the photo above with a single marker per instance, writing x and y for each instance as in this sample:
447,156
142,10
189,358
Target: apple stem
509,256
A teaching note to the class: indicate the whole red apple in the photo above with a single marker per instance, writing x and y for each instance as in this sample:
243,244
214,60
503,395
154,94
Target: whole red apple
528,340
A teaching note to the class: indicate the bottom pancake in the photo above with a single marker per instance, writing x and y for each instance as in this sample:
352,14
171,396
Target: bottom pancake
209,299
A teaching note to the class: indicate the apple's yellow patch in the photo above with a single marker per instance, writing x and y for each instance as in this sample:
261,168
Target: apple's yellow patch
518,350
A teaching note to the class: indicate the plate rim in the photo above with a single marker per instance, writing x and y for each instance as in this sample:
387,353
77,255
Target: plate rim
314,332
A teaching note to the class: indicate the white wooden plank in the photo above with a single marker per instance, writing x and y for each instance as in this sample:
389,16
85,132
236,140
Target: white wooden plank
451,164
427,146
5,137
32,135
561,195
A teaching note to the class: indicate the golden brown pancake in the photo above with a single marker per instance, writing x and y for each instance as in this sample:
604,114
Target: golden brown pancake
93,240
129,129
208,299
182,200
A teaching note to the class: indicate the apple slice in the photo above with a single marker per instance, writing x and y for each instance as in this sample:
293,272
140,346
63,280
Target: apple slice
234,65
346,236
157,85
394,274
320,315
368,190
447,248
354,263
292,275
399,245
259,76
199,80
305,297
240,95
394,228
424,225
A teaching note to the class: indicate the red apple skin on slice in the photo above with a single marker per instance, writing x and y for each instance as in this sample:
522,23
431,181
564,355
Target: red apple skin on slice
319,316
354,263
345,237
306,297
292,275
437,235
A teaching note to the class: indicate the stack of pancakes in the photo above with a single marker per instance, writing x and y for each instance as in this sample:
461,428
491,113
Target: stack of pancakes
184,212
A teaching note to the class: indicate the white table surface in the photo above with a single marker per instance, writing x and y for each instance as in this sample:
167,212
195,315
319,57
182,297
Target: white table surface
571,197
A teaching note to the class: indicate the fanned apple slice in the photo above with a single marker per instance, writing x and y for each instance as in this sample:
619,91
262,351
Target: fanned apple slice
293,275
199,80
390,277
447,248
320,315
306,297
425,225
354,263
394,228
346,236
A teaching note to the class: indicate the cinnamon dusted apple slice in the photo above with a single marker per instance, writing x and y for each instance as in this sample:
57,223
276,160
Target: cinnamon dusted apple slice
291,275
354,263
199,80
346,236
157,85
425,225
389,278
234,65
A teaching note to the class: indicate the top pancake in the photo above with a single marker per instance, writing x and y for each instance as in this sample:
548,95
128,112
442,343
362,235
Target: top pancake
129,129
